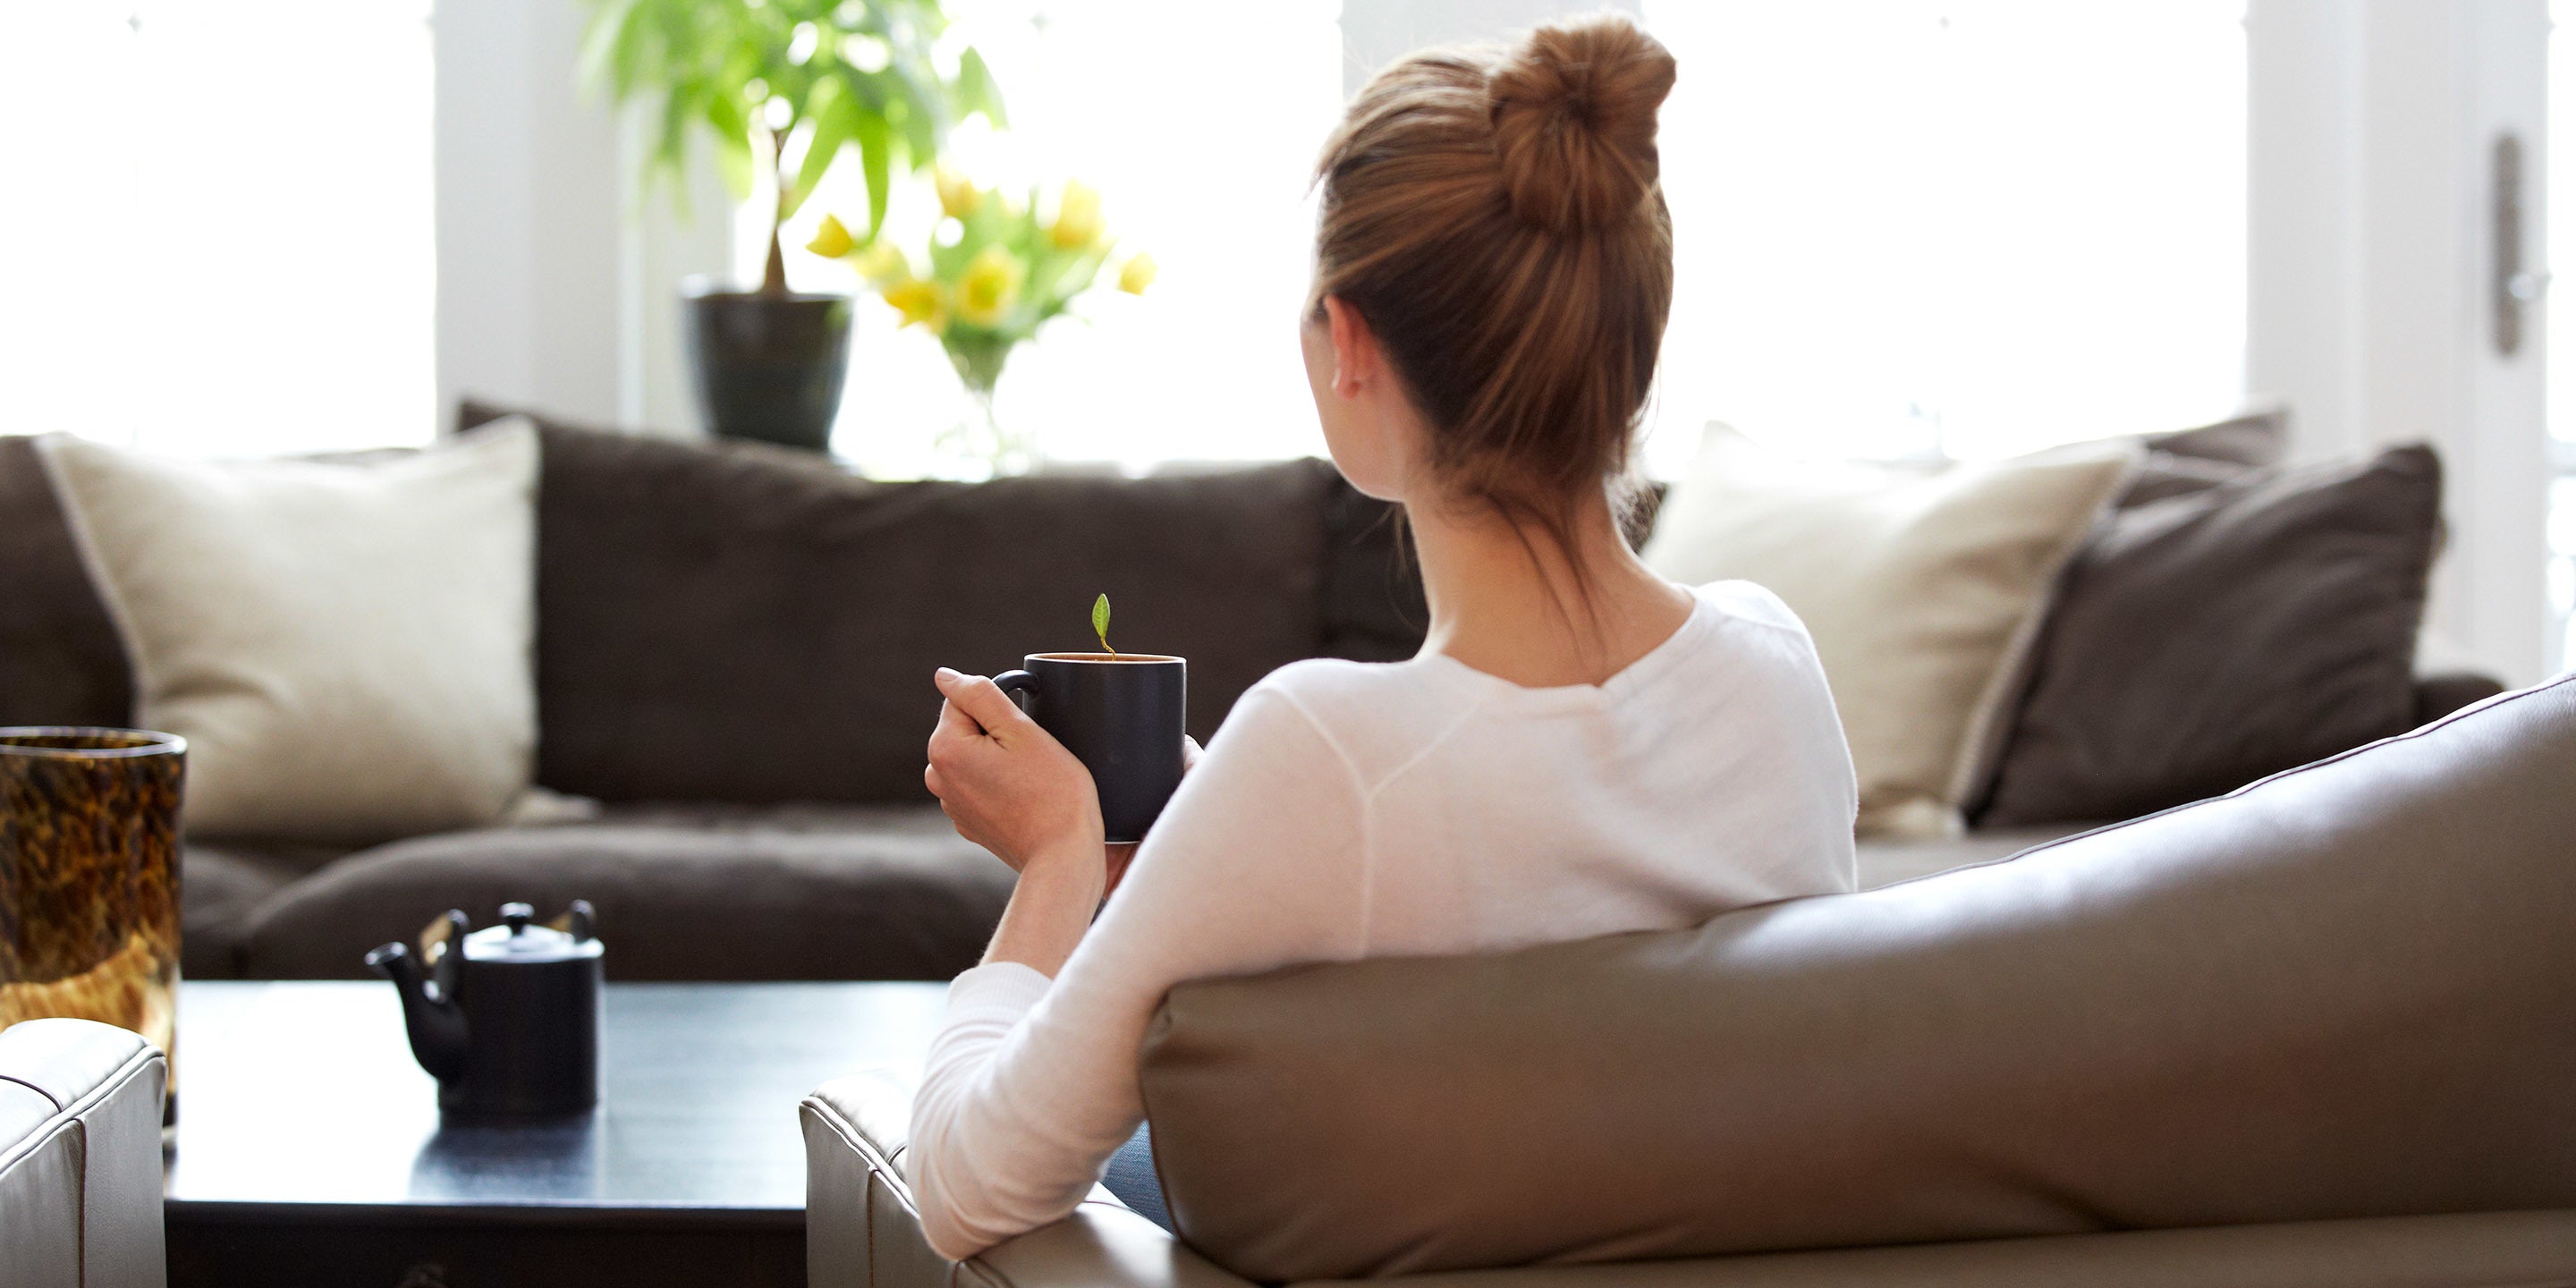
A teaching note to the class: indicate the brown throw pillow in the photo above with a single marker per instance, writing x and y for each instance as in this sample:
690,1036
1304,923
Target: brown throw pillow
2220,633
2188,460
2260,437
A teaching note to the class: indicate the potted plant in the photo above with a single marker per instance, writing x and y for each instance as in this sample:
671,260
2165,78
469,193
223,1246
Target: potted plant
995,269
791,83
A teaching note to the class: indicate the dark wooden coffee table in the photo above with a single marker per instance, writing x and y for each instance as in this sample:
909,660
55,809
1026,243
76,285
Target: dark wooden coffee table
309,1147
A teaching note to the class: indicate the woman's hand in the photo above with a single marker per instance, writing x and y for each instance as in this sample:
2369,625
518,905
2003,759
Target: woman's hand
1007,784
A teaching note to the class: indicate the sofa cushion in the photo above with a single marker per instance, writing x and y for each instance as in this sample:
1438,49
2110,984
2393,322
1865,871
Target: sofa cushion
2337,993
2210,637
750,624
711,892
222,887
60,661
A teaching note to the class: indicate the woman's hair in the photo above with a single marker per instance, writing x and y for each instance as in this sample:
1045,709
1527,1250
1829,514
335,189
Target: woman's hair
1495,216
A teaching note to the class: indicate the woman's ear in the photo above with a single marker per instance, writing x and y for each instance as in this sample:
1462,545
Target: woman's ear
1355,354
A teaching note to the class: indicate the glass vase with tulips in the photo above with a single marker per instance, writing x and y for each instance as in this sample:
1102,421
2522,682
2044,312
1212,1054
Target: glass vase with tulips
996,268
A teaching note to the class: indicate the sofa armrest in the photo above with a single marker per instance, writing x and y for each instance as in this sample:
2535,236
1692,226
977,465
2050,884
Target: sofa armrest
862,1229
80,1154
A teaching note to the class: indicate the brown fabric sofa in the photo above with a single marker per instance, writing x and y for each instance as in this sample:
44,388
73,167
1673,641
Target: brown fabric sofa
2312,1033
733,658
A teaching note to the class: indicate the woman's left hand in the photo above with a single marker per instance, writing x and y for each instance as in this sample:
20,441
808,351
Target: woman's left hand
1007,784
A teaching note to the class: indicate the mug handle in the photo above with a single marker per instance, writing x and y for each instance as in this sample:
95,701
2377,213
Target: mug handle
1015,683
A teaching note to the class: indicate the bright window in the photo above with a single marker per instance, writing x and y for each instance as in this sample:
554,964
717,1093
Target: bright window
215,232
1965,227
1885,246
1200,124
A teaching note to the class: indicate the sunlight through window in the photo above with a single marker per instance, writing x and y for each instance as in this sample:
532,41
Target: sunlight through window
1199,124
1957,227
217,235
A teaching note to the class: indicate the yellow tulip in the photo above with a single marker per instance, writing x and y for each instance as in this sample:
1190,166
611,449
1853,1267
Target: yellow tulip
957,193
831,241
922,303
991,284
1137,274
883,263
1077,217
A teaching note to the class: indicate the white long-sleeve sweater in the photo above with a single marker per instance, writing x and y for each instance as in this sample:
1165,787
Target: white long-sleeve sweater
1353,810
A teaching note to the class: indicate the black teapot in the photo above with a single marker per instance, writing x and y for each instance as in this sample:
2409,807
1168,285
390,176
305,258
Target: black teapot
506,1018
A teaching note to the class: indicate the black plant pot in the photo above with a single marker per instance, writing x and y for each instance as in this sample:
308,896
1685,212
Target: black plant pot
767,367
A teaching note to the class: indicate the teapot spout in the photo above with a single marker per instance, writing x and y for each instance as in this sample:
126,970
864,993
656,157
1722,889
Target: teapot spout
436,1025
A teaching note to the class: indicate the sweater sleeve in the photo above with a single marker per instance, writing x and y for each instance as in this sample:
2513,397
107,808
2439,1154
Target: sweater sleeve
1259,861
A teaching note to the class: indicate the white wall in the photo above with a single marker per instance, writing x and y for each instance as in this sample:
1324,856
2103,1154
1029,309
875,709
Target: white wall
2373,124
556,281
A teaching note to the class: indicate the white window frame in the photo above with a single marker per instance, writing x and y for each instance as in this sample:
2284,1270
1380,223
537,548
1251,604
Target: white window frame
2373,124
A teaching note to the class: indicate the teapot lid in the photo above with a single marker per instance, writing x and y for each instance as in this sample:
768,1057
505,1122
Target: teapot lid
521,943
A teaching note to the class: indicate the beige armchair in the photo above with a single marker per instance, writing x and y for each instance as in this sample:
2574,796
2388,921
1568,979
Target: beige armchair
2312,1034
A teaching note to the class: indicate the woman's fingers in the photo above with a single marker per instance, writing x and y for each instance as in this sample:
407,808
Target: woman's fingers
953,717
1190,753
980,700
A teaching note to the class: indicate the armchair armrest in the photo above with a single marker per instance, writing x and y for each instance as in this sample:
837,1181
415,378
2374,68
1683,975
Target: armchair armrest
80,1155
863,1230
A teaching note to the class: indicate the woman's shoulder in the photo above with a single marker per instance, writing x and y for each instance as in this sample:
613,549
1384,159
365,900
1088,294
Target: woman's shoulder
1752,602
1333,693
1754,637
1367,712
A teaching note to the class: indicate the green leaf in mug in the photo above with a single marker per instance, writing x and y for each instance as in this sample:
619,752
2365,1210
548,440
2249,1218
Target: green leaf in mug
1100,622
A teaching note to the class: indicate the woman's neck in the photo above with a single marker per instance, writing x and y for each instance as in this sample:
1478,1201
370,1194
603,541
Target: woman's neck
1506,598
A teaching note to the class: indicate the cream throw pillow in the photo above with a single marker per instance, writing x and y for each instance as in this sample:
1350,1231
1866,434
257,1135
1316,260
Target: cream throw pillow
1922,590
346,647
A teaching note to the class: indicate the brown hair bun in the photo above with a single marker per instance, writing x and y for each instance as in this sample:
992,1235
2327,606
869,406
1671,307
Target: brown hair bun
1574,122
1494,217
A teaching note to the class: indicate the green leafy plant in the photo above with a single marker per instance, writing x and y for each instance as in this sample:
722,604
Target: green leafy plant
1100,623
752,73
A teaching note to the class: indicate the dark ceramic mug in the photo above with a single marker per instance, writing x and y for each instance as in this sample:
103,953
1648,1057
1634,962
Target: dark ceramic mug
1122,716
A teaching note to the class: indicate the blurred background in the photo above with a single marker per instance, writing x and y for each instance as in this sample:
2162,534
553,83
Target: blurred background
1907,229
